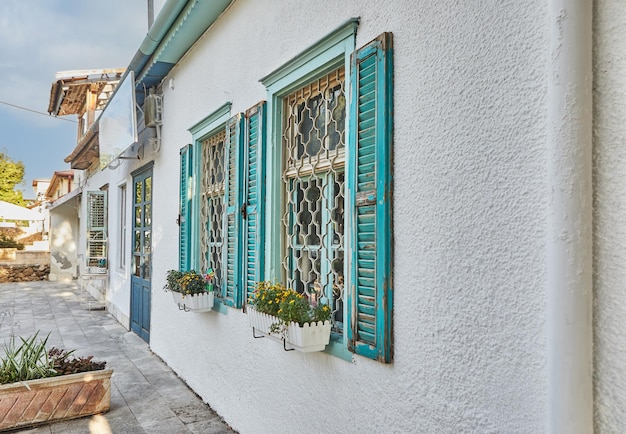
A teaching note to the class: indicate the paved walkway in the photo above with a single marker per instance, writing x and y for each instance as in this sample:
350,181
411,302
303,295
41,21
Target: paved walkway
146,396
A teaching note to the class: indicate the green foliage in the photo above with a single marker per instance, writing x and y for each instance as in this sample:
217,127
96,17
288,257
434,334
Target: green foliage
188,282
11,175
267,297
286,305
6,242
31,360
26,361
171,280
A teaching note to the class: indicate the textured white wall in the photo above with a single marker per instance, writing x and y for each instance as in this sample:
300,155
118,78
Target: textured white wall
118,285
118,291
470,217
609,215
63,243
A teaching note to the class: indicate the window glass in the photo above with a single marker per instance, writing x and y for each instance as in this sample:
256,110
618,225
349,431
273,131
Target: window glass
122,227
313,178
211,207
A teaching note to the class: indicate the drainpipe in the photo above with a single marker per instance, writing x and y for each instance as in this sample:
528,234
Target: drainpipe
569,242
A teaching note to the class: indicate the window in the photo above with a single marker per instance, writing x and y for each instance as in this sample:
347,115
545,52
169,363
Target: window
121,260
97,229
226,213
313,176
212,207
326,197
332,112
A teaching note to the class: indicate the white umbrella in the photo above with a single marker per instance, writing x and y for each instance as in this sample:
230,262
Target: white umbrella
9,211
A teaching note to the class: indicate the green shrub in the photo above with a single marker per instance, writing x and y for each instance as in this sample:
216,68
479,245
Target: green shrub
30,360
8,243
26,361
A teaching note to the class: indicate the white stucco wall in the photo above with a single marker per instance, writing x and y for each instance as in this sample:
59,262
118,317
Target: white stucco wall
119,283
609,215
469,215
63,243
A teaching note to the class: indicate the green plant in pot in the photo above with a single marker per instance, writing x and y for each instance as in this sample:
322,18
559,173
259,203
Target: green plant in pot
287,306
30,374
30,359
188,282
190,290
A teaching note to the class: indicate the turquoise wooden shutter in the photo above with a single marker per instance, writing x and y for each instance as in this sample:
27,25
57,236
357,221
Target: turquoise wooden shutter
370,295
254,185
184,213
231,253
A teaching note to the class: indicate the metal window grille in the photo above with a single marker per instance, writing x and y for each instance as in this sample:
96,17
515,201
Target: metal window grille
212,207
313,136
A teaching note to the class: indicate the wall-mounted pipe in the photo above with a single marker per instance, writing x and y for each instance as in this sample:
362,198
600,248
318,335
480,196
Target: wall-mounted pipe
569,242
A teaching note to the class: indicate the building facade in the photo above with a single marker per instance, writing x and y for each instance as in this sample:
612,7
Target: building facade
443,176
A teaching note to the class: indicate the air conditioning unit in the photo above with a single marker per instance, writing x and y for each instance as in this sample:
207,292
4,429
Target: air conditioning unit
152,110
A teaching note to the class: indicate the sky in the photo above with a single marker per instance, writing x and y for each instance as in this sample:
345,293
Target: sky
39,38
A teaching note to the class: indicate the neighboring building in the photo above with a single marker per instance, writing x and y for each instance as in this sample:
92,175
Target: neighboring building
427,169
83,93
62,183
40,186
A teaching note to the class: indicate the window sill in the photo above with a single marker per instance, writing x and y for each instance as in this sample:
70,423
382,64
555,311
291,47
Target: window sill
337,348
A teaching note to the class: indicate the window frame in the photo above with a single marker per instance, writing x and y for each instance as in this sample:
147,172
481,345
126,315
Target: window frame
202,130
122,251
327,54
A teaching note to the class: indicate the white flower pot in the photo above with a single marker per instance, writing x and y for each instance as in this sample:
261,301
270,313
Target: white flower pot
194,303
308,338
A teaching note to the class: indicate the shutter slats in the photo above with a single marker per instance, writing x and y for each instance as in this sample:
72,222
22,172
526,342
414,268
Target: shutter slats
96,227
232,194
370,296
184,222
253,223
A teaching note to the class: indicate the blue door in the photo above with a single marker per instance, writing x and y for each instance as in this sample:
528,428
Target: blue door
142,254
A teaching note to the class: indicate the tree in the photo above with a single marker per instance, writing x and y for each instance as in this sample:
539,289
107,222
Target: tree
11,174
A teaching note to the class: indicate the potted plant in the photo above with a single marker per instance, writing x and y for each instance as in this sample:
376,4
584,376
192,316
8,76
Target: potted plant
191,291
38,385
283,314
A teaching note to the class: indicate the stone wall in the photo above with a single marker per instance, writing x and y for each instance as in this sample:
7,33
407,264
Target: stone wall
24,273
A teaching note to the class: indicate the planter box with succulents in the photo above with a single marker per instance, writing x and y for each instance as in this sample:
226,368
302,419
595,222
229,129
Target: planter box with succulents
40,386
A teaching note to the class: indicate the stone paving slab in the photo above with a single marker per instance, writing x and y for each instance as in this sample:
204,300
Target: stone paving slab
146,395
